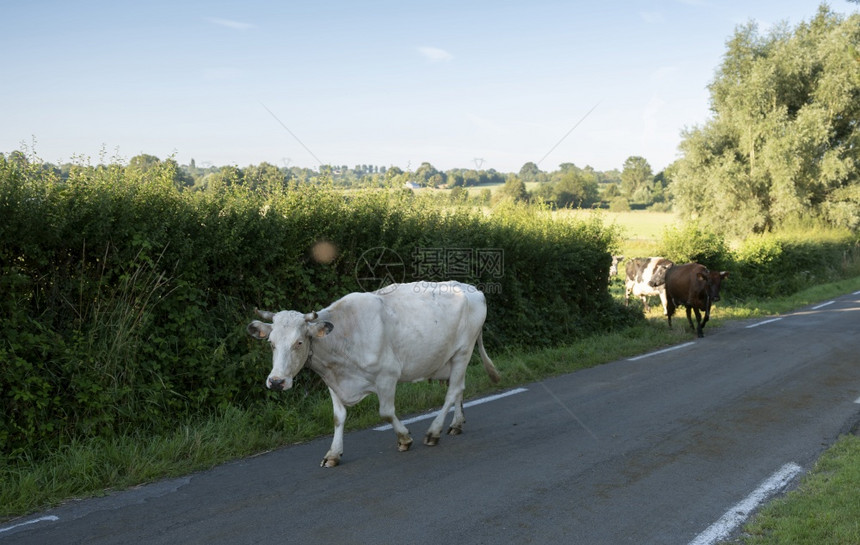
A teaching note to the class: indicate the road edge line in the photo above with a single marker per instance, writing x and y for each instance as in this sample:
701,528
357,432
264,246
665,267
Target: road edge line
465,406
49,518
739,512
671,348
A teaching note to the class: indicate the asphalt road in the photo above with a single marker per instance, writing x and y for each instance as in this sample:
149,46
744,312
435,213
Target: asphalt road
648,451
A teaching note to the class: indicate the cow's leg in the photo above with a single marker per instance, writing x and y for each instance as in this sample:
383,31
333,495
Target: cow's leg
645,303
706,317
690,318
670,310
664,301
459,419
700,322
332,457
385,393
454,397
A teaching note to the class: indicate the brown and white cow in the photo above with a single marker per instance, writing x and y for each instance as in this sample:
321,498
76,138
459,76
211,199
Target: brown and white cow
365,343
695,287
645,278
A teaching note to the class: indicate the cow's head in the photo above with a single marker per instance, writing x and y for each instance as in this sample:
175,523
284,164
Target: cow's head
291,334
715,279
613,267
658,278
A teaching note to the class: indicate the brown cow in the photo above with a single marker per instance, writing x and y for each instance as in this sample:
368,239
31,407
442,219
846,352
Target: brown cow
695,287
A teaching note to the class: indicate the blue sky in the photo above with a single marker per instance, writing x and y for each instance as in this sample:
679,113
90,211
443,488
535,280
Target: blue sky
458,84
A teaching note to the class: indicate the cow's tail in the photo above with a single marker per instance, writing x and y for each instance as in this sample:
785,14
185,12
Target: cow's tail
488,363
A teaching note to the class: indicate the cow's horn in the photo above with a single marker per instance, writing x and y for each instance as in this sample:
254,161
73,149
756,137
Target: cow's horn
264,314
311,316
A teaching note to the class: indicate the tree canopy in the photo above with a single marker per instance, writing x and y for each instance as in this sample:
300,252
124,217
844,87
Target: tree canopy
784,139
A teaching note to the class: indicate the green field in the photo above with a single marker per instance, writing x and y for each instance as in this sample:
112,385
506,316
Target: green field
636,226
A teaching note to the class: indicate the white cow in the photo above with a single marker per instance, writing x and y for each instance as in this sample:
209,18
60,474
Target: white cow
646,276
366,343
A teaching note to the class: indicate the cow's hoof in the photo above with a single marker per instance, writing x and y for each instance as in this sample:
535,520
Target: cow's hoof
330,462
455,430
403,447
431,440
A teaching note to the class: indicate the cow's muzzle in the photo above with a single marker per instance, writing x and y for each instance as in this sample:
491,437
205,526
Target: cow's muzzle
274,383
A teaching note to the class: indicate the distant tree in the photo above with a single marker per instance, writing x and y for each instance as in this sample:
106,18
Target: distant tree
224,177
427,175
529,172
575,190
143,162
151,167
611,192
514,189
264,175
455,179
637,179
181,178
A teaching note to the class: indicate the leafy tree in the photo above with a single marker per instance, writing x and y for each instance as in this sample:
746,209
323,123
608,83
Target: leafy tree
637,180
783,141
263,175
530,173
427,175
150,165
514,189
611,192
576,189
224,177
143,162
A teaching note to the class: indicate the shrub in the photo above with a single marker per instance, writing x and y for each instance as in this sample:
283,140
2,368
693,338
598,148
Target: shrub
778,264
694,242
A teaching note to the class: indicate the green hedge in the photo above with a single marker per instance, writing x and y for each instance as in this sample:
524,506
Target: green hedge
124,300
767,265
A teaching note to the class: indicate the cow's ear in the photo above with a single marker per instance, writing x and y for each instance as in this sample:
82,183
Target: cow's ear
702,276
321,329
265,314
724,274
259,330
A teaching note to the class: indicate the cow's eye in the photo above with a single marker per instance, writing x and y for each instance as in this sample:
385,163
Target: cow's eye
297,345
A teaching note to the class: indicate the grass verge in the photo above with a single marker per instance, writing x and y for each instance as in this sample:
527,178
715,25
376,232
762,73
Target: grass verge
95,468
823,510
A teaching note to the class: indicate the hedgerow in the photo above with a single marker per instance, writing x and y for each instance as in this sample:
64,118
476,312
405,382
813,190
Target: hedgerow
767,265
124,299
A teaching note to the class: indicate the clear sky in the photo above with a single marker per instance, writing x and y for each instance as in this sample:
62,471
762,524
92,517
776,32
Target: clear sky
459,84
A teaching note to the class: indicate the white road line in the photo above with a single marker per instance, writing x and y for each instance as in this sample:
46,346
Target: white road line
856,293
857,401
465,406
822,305
648,355
764,322
740,511
51,518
